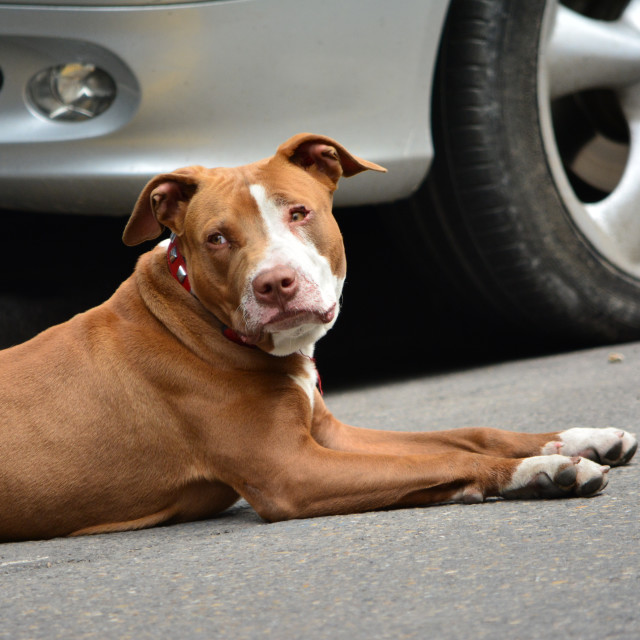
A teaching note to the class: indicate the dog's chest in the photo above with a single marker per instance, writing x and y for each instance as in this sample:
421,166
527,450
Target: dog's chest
307,379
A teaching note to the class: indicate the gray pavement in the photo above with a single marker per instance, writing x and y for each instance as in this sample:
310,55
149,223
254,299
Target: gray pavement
517,570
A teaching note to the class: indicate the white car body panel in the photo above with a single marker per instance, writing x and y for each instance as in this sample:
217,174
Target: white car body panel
217,83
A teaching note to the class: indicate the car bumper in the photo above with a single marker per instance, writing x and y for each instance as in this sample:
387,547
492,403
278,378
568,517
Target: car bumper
217,83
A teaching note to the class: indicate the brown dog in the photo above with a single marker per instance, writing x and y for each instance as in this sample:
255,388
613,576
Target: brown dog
194,384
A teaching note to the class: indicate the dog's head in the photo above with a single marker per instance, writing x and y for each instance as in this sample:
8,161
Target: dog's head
263,251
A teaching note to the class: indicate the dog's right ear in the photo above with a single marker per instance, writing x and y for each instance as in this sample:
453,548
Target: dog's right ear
163,202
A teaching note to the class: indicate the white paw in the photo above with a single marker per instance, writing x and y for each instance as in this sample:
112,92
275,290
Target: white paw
555,476
607,446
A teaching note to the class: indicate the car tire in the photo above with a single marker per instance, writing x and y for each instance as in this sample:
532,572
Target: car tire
492,212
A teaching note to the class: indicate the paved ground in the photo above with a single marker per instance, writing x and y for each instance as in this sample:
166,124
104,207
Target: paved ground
516,570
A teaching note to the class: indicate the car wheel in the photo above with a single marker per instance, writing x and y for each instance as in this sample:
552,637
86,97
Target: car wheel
533,202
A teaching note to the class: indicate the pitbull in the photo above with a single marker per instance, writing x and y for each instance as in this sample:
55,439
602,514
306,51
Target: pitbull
195,384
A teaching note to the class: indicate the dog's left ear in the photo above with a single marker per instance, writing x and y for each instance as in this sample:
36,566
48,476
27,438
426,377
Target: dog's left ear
324,158
163,202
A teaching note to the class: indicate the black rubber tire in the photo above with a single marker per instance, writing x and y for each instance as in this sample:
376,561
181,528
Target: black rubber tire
490,213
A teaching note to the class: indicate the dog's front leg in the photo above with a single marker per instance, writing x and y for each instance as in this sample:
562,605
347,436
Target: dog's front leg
609,446
309,480
333,434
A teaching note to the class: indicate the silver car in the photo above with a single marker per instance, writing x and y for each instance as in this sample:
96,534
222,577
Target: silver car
510,129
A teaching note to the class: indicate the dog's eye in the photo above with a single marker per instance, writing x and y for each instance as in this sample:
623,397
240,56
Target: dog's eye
299,214
217,239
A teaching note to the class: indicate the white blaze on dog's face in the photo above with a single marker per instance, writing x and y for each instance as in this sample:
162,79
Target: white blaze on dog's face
297,322
265,255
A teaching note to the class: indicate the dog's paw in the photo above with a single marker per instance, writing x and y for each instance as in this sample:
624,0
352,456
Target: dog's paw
555,476
606,446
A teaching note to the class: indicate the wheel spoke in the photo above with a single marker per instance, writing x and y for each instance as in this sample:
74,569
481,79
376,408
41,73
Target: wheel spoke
618,215
583,53
631,14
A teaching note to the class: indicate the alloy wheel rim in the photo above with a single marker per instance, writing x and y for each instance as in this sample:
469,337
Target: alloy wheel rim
589,104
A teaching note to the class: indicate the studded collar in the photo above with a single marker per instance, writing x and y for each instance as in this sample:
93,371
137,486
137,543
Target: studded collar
177,263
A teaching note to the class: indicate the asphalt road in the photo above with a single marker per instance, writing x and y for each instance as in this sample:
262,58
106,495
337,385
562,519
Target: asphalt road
517,570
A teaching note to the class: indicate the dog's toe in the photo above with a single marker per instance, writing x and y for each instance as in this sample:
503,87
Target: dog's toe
630,453
566,478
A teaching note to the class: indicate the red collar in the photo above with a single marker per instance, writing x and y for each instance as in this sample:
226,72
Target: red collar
177,263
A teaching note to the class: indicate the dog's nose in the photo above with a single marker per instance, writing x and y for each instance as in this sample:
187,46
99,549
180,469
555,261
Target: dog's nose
275,286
